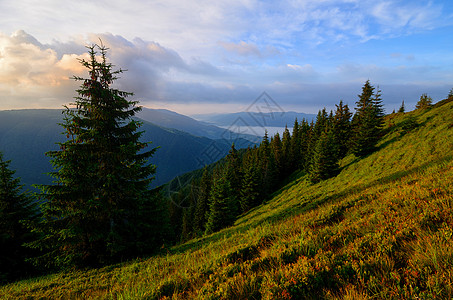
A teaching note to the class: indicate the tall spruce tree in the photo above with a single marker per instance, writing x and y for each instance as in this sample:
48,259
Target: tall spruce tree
424,102
305,134
219,209
276,151
342,128
402,108
16,209
94,211
266,165
250,192
296,153
367,121
202,206
325,157
188,216
233,174
287,154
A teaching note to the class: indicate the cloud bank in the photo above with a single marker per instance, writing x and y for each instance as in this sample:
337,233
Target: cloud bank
200,56
33,74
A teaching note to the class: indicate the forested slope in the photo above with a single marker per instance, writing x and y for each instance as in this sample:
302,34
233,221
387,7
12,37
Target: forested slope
382,228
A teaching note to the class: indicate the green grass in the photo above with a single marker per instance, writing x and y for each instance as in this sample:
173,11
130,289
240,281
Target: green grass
381,229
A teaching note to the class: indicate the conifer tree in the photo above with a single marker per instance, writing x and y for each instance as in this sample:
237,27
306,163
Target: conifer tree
305,135
202,207
317,128
295,148
233,174
325,157
322,122
424,102
276,151
367,121
94,212
219,213
287,158
16,209
342,128
176,214
402,108
187,231
266,165
250,192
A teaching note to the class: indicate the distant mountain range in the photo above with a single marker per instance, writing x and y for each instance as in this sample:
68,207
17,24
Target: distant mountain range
185,144
255,119
25,136
171,119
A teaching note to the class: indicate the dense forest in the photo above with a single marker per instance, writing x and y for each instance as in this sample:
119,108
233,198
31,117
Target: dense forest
247,177
100,209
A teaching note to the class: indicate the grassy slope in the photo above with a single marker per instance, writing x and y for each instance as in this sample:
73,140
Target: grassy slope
381,229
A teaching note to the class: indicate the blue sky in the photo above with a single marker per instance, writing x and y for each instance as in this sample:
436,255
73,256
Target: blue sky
218,56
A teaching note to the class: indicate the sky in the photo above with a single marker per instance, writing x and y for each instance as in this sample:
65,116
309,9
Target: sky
206,56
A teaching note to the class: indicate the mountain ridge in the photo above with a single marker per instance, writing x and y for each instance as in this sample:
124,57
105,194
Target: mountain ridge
26,135
170,119
253,118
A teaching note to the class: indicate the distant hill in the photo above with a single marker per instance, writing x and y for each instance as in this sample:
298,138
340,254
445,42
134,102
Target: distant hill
25,135
260,119
171,119
381,229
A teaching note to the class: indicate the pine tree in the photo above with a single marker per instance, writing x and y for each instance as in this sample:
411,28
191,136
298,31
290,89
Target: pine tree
276,151
342,128
266,166
154,223
295,148
402,108
250,192
424,102
325,157
367,121
16,209
188,231
219,213
287,158
233,174
317,128
202,207
176,214
305,135
93,212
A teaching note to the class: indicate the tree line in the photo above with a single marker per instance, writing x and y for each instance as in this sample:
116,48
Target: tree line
248,177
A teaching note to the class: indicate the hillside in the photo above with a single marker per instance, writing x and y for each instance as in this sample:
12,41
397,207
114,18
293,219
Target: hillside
272,119
381,229
26,135
171,119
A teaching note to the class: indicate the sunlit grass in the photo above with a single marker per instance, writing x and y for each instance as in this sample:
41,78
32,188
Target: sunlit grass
381,229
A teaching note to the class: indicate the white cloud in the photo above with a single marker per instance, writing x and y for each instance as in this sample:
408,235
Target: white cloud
181,58
35,75
196,27
31,75
400,17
